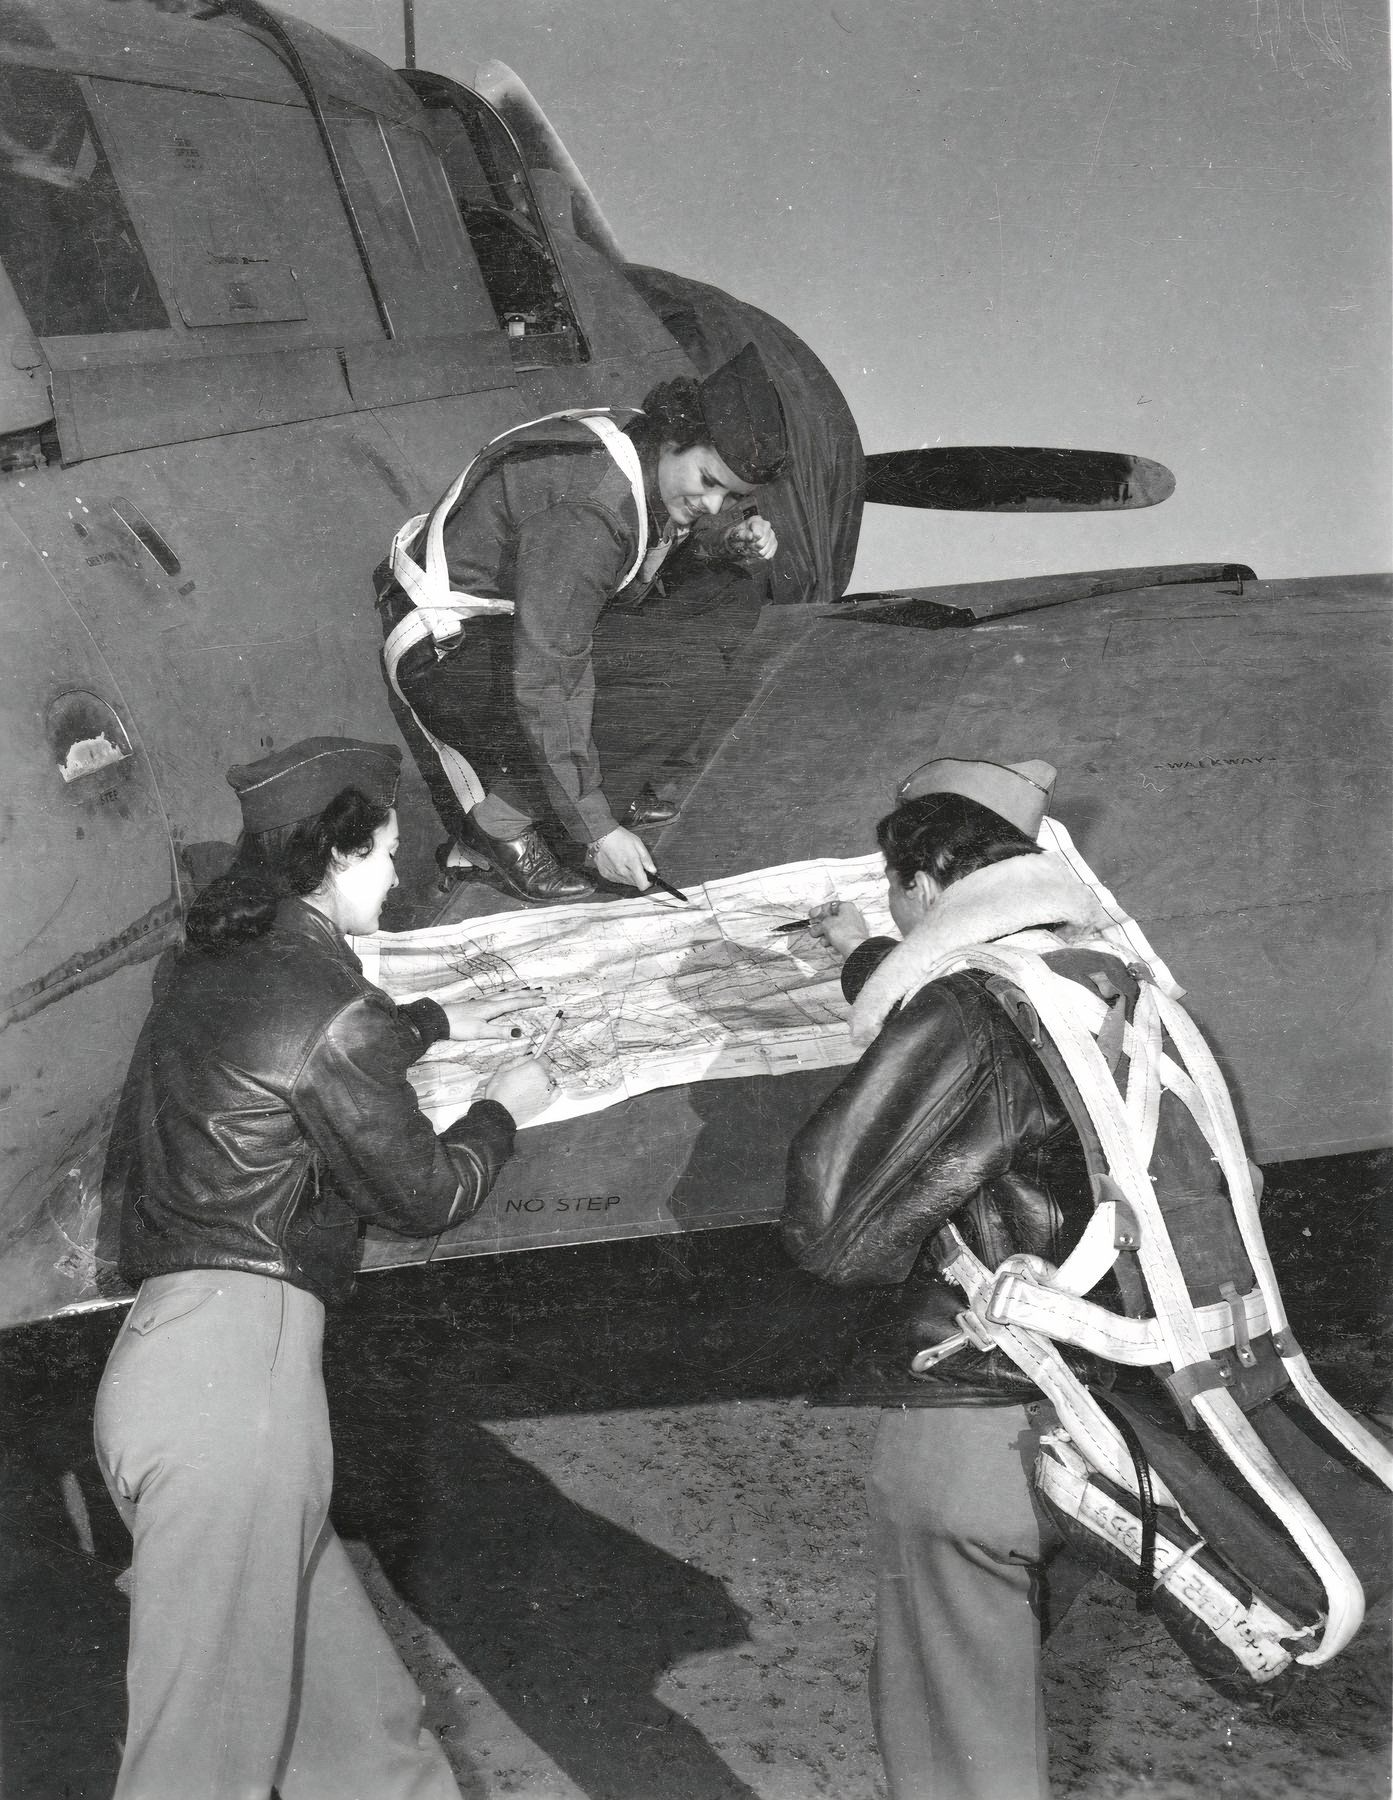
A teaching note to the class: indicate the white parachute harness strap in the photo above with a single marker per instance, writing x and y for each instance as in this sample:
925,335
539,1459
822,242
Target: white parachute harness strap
1094,1254
1018,1298
427,584
1039,1360
438,612
1356,1438
1144,1070
1064,1012
1221,1412
465,785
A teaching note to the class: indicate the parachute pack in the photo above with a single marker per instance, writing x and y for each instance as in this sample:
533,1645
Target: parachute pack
1242,1504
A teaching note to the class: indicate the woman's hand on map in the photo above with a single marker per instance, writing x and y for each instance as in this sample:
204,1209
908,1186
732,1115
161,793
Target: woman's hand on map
622,857
491,1018
840,924
525,1088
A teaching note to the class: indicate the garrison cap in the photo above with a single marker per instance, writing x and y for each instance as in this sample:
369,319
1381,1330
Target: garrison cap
745,418
1017,792
300,781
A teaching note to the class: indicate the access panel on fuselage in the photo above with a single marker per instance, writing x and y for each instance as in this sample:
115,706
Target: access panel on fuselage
202,604
87,899
266,630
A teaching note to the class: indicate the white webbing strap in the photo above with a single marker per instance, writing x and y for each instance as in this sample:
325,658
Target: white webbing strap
1041,1363
1056,1003
1149,1068
465,784
439,613
1346,1430
427,583
1144,1071
1093,1255
1017,1299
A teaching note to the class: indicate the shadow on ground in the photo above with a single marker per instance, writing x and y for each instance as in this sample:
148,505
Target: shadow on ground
567,1620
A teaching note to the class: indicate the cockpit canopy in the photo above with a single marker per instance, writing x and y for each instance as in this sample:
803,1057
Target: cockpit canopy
215,217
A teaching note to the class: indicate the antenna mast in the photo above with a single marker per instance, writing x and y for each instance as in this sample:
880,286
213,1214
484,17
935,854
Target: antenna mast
408,25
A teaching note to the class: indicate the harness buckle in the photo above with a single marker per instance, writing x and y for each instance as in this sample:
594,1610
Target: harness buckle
975,1331
1126,1225
1015,1271
1027,1020
924,1360
1238,1312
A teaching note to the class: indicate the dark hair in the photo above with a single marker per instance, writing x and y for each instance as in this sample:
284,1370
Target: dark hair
672,414
947,837
271,866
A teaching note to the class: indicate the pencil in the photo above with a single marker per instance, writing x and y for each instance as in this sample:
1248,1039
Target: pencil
658,881
549,1035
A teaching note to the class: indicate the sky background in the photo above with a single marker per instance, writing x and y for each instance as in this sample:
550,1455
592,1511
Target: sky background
1160,228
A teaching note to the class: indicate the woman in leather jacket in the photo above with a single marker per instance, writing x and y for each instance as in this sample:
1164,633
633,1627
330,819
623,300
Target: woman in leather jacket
266,1117
949,1115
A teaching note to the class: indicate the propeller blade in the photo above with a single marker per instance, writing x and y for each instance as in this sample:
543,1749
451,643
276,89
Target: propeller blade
996,478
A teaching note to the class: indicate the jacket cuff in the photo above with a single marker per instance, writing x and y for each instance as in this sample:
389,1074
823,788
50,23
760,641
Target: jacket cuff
863,962
427,1019
596,819
489,1120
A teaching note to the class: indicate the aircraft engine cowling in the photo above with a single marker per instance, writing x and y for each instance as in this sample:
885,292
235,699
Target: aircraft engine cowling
815,506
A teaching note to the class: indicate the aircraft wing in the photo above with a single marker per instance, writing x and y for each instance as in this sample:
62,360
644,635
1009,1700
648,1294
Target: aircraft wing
1222,764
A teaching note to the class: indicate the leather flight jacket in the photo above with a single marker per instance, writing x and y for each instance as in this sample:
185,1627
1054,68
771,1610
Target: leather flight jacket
267,1117
950,1115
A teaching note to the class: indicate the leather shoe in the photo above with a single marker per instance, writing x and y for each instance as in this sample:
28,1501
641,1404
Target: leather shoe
649,808
526,866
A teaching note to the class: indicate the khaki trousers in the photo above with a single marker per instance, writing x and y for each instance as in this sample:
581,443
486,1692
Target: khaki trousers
961,1551
256,1658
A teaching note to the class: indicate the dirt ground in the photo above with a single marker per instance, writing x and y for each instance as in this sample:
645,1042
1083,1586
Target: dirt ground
625,1559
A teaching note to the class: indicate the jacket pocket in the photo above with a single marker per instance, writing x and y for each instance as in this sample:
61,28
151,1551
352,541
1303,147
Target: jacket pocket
176,1299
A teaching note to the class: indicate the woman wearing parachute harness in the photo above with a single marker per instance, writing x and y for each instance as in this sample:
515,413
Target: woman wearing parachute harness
1035,1115
549,524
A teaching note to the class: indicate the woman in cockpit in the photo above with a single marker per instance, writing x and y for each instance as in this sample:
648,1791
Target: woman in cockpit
551,524
266,1116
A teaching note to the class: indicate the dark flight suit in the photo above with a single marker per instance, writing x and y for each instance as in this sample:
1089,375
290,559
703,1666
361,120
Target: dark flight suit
551,525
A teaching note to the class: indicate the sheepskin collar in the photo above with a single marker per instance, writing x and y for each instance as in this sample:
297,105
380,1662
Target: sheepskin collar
1025,893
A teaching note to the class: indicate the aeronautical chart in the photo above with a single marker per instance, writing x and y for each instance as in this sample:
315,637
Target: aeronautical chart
653,993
